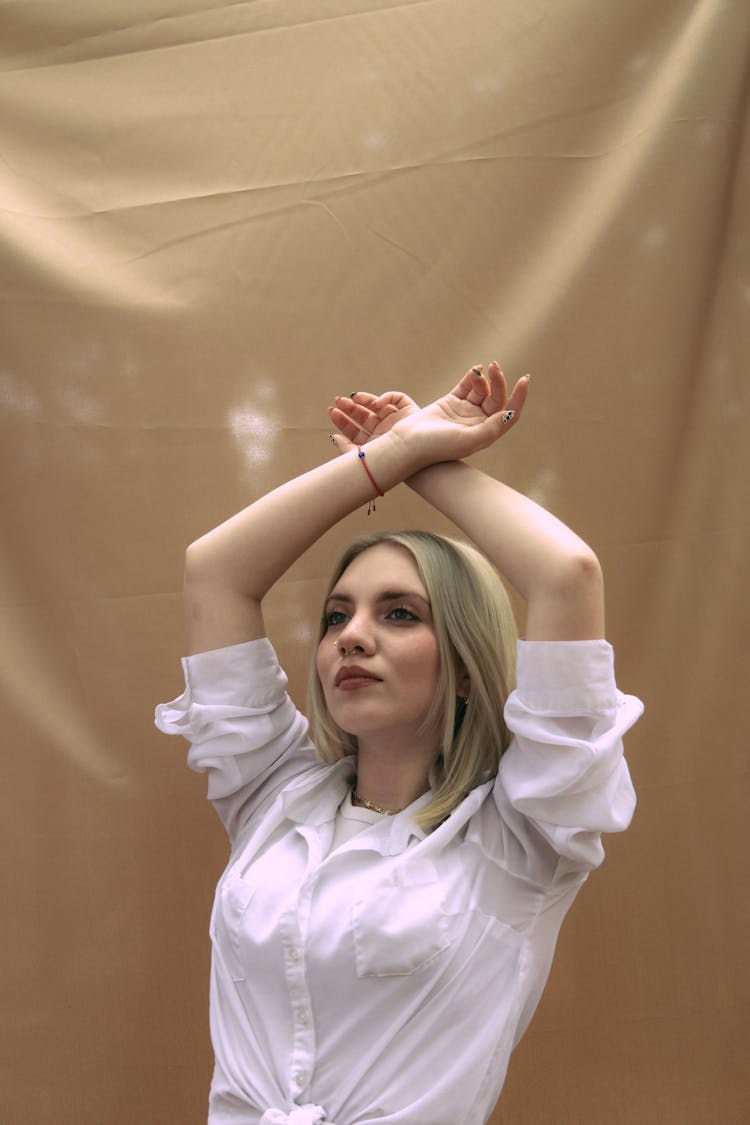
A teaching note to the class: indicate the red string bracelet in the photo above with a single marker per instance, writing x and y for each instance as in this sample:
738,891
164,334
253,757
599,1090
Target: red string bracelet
375,485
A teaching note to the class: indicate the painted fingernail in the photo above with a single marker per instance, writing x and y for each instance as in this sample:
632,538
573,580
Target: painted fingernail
507,416
332,439
353,394
477,370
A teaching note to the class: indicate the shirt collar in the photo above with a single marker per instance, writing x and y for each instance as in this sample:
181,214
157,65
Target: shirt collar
314,799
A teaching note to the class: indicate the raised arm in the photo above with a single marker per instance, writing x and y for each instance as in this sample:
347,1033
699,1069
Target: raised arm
229,570
552,568
557,574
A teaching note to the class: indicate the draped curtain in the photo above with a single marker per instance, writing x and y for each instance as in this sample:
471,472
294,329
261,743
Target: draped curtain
214,217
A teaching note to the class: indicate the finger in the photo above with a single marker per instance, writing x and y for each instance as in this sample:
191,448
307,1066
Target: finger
357,411
366,423
396,399
359,416
480,389
346,427
340,443
498,395
473,386
383,406
511,413
519,394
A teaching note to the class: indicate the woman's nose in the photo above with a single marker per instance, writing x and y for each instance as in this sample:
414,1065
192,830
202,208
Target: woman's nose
354,637
342,648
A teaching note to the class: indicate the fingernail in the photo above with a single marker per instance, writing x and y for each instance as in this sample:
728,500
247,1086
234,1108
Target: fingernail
507,416
353,394
477,370
332,439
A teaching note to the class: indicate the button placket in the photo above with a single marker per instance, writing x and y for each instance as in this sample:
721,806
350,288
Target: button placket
294,930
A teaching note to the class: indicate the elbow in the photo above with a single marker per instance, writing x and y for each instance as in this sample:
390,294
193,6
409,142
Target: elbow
586,568
581,597
568,603
197,565
192,560
211,572
581,575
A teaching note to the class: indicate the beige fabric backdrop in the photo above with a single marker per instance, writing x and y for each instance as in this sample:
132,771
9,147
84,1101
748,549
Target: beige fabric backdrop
214,217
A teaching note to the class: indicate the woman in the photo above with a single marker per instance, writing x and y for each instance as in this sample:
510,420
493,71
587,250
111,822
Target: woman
385,925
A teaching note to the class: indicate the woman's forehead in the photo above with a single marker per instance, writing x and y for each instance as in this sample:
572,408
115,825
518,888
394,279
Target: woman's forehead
388,565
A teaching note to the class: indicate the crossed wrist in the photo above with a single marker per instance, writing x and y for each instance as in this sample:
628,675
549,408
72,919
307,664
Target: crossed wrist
411,452
390,459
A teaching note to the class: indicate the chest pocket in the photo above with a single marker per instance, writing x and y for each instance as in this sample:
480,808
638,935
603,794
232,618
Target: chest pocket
401,925
232,900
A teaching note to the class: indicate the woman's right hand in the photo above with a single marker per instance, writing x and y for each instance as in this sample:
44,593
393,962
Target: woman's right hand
471,417
365,416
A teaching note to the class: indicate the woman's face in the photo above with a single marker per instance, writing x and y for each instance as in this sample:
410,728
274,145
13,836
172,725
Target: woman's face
378,659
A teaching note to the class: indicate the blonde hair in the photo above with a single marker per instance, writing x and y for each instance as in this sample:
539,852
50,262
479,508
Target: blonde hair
476,633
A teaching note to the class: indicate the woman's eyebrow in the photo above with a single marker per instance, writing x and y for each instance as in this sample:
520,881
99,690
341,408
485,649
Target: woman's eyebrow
383,596
400,595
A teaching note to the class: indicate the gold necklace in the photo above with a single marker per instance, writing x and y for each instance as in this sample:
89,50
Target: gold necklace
373,808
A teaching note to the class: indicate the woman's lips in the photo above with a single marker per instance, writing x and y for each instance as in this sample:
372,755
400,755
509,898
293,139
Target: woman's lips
353,683
353,677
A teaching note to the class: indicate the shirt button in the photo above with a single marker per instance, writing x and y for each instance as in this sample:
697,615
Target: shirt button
302,1017
294,955
300,1078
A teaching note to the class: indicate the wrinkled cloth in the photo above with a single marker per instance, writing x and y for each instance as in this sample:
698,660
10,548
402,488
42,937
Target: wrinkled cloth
300,1115
390,978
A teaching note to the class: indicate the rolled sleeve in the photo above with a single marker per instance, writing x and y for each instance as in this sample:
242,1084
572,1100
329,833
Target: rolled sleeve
237,716
564,769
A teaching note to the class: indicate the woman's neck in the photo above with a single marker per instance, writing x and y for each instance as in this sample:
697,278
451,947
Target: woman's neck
392,778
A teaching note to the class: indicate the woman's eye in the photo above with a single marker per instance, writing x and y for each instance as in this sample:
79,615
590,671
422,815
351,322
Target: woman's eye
335,617
401,613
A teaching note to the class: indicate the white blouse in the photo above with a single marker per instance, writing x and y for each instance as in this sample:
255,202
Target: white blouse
387,979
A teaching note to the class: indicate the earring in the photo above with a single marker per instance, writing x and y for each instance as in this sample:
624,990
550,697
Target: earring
460,713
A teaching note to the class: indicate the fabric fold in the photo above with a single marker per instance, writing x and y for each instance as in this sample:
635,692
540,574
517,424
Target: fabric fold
301,1115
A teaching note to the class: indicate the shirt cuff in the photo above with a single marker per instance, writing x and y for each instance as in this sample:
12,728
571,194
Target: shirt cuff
223,683
566,677
247,673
